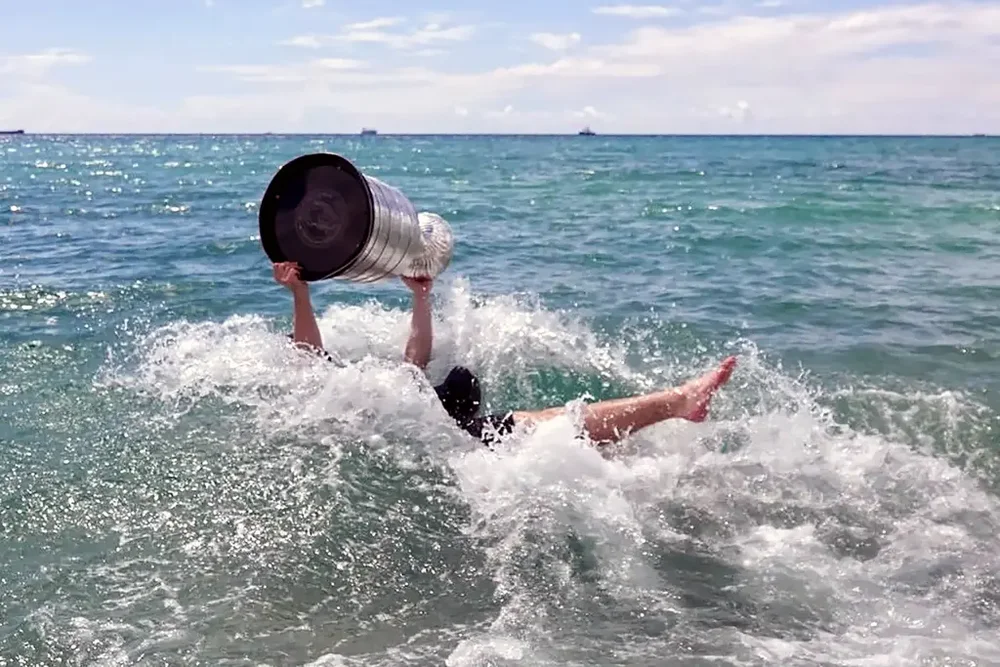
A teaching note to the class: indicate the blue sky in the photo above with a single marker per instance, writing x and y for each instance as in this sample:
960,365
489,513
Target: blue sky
726,66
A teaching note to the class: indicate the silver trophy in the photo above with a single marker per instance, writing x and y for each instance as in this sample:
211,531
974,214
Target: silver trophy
319,210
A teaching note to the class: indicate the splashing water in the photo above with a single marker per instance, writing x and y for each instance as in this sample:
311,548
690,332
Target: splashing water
255,494
179,486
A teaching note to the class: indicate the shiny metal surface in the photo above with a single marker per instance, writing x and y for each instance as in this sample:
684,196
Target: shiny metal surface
437,242
338,223
402,242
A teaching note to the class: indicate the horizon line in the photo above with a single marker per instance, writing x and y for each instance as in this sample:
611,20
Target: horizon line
26,133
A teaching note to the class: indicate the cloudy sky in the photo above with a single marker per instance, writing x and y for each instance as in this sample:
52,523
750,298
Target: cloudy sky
721,66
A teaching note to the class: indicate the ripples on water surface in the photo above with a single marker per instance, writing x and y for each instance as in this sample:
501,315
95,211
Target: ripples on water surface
178,487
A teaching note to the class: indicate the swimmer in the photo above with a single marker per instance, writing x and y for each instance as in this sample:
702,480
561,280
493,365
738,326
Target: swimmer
606,422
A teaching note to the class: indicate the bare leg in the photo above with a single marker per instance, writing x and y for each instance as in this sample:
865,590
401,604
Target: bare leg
609,421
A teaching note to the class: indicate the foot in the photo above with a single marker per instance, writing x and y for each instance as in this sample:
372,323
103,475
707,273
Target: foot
698,393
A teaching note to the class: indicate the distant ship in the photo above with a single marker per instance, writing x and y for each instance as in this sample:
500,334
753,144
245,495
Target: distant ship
368,132
11,131
587,132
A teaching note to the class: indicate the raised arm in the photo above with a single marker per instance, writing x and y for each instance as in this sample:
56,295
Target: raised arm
418,346
305,330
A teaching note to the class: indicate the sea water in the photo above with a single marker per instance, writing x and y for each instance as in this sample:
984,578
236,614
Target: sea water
180,487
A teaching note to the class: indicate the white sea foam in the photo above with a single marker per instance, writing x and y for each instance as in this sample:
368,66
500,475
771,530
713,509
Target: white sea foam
816,542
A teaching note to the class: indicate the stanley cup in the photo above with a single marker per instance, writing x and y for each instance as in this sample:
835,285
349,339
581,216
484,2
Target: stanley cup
319,210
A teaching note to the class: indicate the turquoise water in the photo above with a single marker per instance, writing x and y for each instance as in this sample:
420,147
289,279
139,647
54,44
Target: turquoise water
179,487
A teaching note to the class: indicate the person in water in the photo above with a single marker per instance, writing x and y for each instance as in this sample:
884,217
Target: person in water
605,422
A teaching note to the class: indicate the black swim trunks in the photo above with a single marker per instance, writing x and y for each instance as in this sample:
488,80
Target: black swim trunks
460,395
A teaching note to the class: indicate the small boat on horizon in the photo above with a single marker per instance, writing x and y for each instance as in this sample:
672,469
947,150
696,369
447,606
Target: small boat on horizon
11,131
368,132
587,132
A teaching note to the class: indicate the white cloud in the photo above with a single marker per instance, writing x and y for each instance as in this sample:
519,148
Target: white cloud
276,74
304,41
33,65
760,46
310,4
374,24
513,119
897,68
440,18
506,112
431,33
837,78
637,11
338,64
589,112
40,107
740,112
875,67
376,31
578,68
556,42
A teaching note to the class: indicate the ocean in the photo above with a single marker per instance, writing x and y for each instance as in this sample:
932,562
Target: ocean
180,487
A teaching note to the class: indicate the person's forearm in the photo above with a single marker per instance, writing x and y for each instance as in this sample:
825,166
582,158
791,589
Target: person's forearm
418,347
304,326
